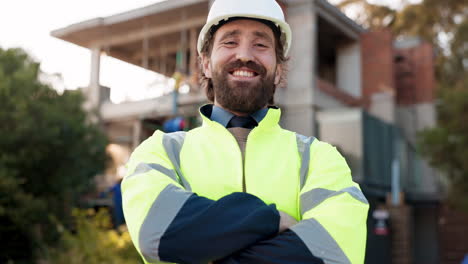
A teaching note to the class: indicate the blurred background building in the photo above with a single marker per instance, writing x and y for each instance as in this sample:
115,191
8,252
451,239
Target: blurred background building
363,91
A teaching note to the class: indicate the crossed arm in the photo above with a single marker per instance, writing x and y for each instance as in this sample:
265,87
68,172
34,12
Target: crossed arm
168,223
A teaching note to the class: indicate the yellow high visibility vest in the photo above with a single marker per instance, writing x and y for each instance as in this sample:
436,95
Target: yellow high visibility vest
304,177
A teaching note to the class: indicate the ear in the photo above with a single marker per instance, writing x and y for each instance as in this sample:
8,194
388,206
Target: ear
278,73
206,66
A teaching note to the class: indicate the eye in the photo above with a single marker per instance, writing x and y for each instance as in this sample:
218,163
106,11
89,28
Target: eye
261,45
229,43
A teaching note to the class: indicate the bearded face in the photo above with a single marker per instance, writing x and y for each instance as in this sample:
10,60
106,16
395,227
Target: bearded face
243,96
242,66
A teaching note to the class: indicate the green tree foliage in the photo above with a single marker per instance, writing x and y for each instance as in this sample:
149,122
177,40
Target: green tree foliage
93,242
49,155
447,144
433,20
369,15
444,24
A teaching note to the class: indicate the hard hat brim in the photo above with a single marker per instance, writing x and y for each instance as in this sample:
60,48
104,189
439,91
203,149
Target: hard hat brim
284,27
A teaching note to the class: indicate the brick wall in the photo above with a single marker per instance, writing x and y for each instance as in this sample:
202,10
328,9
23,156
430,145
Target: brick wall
453,232
401,234
414,74
377,62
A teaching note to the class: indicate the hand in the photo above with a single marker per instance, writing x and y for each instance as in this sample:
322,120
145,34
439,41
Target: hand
286,221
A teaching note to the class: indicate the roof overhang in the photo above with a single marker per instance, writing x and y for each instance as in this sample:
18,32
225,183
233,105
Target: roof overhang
151,36
148,37
335,17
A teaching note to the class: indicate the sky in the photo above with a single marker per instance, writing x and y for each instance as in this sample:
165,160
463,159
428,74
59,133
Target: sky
395,4
27,24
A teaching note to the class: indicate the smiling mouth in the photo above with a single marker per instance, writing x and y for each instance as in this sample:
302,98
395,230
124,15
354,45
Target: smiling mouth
243,73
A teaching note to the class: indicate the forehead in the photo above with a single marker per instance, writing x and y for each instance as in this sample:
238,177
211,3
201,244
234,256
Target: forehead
244,27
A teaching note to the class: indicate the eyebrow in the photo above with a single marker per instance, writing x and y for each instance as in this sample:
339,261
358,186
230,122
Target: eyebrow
263,35
229,34
259,34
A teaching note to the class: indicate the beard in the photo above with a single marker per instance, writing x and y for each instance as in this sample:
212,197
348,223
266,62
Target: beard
243,96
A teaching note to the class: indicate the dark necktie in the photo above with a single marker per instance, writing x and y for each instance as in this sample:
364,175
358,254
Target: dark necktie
242,121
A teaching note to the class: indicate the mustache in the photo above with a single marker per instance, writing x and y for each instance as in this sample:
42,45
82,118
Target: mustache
249,64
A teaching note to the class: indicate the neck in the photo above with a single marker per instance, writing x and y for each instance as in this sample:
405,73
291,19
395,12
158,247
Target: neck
233,112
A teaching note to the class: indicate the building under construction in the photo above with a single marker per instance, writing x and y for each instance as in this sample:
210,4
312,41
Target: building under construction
362,91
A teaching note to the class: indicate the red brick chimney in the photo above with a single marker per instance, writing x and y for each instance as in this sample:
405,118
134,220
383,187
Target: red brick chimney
377,63
414,74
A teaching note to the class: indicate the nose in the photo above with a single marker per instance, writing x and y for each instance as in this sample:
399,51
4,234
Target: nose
244,53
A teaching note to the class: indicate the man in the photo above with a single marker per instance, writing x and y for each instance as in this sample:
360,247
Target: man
240,189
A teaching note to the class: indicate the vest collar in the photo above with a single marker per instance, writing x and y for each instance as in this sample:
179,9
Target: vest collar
270,121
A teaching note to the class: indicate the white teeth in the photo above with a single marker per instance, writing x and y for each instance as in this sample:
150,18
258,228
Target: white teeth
243,73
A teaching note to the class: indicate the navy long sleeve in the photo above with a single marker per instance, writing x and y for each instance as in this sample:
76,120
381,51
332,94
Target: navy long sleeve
285,248
205,230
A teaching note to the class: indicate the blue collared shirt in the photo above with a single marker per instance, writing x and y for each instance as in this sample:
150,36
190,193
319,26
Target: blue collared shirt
223,117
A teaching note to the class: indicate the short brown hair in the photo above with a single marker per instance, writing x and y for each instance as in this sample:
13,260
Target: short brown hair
207,84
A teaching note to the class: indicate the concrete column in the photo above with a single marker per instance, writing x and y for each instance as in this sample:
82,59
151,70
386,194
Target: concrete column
193,51
382,106
183,46
163,58
348,67
296,99
145,57
93,92
136,133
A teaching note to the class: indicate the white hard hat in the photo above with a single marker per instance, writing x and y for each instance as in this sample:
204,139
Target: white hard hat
260,9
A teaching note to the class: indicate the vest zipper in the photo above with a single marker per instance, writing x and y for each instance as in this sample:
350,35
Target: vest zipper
244,161
244,187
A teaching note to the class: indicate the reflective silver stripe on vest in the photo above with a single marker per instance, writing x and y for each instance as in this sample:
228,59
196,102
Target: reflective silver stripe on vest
173,143
161,214
145,167
303,145
320,243
316,196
